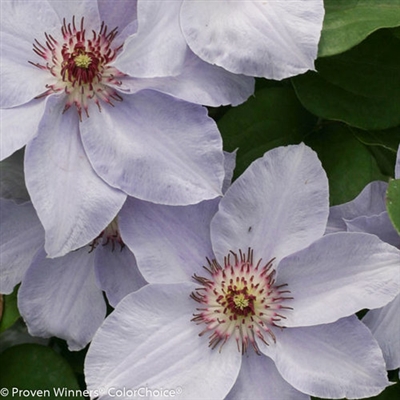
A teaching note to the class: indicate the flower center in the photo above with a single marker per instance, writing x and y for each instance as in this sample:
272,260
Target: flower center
109,236
82,61
240,300
79,66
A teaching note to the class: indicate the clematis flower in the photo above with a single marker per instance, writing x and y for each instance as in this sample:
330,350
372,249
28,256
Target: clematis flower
271,314
274,39
93,134
367,213
63,296
189,77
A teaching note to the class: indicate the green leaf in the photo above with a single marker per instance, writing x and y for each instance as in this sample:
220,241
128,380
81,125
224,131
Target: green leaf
273,117
396,32
385,159
75,358
393,202
10,311
33,367
347,162
389,138
360,87
383,145
348,22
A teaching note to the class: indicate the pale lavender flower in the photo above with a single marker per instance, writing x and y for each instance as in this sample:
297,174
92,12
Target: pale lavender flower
94,135
367,213
274,39
189,77
62,296
270,316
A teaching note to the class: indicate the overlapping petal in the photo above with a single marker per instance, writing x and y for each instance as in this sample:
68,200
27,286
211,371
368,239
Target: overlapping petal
200,83
120,16
333,361
116,272
397,167
259,379
158,47
371,201
19,28
367,213
379,225
17,91
16,132
272,39
152,328
384,324
72,202
59,297
229,166
338,275
176,159
21,236
170,243
32,16
69,10
277,206
123,17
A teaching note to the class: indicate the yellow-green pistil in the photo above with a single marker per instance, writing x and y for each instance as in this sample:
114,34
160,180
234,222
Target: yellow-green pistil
82,61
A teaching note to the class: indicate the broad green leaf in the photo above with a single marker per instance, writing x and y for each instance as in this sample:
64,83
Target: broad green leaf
10,311
348,22
33,367
396,32
347,162
360,87
390,393
74,358
385,159
389,138
383,145
393,202
273,117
